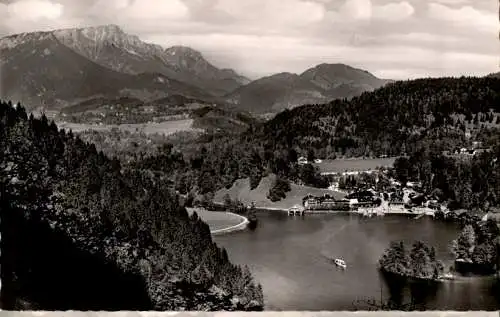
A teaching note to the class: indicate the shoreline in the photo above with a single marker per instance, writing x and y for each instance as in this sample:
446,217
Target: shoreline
241,226
356,212
237,227
456,278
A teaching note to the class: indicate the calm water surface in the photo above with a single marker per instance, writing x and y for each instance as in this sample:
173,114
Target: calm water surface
289,256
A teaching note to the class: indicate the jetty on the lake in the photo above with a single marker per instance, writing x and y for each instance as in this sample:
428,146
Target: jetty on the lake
296,210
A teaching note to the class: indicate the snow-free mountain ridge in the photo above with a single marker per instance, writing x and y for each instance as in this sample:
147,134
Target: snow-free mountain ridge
319,84
61,67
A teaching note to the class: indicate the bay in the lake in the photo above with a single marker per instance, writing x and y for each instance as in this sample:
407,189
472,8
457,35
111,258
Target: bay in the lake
290,256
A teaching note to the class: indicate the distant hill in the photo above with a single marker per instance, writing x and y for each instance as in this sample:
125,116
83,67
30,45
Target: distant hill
390,120
210,117
319,84
122,102
38,69
222,119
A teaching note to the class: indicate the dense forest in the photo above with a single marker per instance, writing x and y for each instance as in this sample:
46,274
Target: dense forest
81,231
479,244
418,262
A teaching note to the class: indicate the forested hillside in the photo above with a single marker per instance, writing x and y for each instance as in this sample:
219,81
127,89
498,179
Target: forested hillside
391,120
80,231
473,183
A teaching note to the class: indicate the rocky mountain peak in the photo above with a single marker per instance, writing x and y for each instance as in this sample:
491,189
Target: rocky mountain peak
110,34
11,41
184,51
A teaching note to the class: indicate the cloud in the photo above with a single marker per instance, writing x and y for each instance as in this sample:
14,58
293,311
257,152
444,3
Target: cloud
465,16
121,11
33,10
156,9
273,12
453,2
257,56
357,9
365,10
394,11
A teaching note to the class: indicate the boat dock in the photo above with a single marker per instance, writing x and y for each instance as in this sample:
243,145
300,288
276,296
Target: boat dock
296,210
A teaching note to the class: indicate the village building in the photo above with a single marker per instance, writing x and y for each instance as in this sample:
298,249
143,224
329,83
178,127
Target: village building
325,202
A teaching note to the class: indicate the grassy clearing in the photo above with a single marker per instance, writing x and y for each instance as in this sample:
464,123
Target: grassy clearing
241,190
217,220
346,165
165,128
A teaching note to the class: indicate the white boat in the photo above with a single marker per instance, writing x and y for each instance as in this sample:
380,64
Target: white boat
340,262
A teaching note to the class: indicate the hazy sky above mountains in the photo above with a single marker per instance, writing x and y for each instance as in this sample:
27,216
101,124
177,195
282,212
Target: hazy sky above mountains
390,38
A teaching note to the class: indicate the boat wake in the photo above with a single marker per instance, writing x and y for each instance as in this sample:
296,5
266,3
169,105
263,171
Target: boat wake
326,247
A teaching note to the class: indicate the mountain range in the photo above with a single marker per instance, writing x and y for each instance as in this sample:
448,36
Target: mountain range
319,84
55,69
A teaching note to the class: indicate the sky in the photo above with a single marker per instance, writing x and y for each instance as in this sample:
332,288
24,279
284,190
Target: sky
390,38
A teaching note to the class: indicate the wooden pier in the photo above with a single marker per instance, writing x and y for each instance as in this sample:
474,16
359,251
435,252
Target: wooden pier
296,211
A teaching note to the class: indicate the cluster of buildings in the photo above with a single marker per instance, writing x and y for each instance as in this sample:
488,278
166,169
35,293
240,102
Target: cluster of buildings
475,149
404,201
363,199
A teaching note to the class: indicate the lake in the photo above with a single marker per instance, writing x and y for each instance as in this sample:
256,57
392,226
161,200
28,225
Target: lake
289,256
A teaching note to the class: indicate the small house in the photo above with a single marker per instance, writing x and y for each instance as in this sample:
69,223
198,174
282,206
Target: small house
311,203
477,144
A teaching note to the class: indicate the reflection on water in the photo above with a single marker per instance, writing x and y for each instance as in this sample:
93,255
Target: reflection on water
290,256
409,295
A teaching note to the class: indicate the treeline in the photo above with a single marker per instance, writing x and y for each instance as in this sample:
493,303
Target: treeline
128,218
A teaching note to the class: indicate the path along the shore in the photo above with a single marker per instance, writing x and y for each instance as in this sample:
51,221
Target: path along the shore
242,225
205,216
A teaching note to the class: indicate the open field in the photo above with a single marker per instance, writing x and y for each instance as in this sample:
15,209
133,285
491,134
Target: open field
346,165
165,128
241,190
219,221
